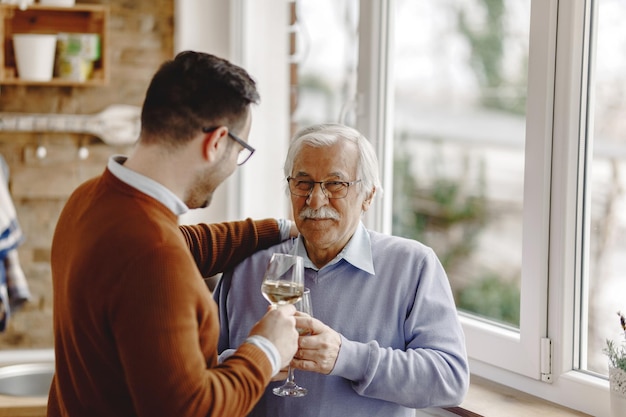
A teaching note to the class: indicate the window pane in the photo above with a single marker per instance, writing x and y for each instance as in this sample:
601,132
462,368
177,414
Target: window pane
606,184
460,83
325,61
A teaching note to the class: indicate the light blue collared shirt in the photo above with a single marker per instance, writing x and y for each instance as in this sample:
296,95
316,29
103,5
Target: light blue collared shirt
357,252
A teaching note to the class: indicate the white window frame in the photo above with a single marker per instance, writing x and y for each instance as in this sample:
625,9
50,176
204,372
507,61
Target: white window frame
374,101
551,274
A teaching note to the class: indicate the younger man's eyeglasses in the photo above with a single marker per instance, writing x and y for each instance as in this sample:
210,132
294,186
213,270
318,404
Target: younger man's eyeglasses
246,151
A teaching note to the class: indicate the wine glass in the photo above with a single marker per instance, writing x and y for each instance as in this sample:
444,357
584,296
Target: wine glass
290,388
283,282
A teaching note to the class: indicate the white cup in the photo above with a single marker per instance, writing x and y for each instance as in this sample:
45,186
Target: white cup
34,56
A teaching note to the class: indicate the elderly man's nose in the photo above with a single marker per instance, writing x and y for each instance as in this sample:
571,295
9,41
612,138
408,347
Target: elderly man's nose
317,197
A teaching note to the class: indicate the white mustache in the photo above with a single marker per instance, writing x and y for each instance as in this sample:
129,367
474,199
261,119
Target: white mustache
321,213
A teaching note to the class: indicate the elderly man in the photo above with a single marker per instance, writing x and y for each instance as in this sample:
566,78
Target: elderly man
386,337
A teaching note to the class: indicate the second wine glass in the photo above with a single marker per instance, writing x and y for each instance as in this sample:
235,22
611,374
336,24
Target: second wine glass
290,388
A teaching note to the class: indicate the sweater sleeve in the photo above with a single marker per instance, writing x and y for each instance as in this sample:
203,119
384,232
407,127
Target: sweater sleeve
217,247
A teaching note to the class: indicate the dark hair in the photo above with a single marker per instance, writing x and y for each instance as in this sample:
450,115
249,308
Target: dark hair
192,91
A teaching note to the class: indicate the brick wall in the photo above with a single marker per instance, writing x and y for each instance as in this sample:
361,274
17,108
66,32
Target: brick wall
140,38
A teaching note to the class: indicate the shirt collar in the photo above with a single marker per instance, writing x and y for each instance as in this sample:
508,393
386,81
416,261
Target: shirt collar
146,185
358,251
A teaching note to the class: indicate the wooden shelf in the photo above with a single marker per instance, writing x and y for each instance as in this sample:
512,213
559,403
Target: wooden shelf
81,18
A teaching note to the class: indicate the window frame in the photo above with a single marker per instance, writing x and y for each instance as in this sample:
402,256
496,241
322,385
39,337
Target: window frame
556,124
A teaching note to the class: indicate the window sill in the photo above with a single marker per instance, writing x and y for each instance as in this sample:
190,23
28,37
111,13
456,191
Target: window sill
489,399
484,399
23,406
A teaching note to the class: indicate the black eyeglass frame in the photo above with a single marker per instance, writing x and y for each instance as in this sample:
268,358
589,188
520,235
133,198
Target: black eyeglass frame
236,139
347,184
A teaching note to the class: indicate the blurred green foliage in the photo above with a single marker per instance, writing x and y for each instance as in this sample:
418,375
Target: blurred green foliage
491,297
449,214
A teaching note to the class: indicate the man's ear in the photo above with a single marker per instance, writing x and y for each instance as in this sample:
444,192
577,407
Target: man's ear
211,143
368,200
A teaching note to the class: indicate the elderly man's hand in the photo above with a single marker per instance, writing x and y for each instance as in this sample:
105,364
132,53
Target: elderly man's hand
318,348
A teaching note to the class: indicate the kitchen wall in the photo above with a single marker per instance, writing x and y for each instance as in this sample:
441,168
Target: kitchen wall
141,36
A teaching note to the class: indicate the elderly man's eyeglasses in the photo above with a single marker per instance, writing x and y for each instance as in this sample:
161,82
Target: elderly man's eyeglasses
331,189
244,154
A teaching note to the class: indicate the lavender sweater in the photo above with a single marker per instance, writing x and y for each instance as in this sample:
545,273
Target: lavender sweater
402,344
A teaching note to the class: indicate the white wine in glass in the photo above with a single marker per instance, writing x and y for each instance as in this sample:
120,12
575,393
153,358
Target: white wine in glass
290,388
283,282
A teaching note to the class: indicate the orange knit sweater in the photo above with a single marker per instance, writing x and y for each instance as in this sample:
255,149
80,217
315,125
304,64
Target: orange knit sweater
135,326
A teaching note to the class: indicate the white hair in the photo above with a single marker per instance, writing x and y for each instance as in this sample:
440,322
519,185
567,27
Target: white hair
325,135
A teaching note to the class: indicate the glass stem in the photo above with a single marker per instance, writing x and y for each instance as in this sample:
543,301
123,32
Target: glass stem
290,377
